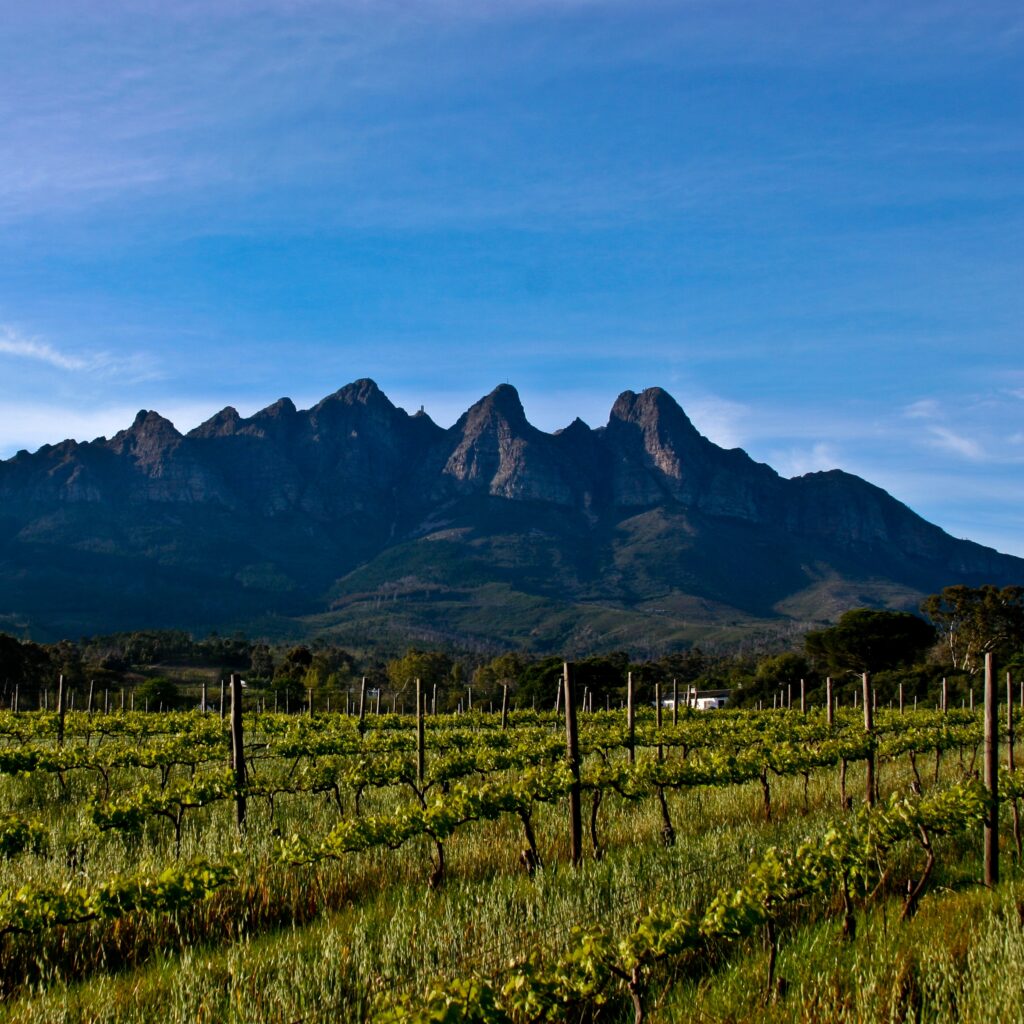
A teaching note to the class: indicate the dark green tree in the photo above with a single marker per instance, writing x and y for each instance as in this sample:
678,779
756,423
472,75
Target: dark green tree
973,621
869,640
157,691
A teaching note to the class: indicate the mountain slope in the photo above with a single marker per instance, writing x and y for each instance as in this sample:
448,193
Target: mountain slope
356,518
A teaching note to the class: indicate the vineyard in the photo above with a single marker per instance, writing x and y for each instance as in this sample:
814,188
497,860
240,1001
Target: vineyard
641,864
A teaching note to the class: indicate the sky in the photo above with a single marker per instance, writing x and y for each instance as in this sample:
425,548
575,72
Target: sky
802,219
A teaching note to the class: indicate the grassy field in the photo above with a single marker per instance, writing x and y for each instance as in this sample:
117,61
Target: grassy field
333,940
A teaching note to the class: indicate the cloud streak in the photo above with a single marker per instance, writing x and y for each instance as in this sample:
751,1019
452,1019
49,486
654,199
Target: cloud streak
129,368
13,344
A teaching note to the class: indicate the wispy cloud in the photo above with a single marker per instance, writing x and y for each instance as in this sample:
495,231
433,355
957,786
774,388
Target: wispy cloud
128,368
14,344
958,444
924,409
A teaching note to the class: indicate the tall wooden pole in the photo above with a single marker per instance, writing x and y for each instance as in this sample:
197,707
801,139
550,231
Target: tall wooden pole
869,728
421,751
362,700
803,697
1010,737
630,720
657,716
829,706
92,686
61,698
1011,766
901,698
991,774
675,702
572,751
238,747
504,707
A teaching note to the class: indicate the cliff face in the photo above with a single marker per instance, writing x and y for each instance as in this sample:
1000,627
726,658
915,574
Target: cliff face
291,512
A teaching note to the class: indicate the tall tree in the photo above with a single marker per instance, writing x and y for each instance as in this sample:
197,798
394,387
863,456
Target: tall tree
869,640
974,621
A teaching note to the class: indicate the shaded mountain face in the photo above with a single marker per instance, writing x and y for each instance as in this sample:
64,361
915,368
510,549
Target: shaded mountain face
358,519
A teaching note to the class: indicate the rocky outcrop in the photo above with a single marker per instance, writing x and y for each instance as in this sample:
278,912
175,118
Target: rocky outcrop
310,495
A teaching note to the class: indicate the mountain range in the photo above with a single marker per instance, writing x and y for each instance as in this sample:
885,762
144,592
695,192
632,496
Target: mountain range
358,521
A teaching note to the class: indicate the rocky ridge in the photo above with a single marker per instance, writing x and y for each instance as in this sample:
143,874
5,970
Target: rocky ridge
291,512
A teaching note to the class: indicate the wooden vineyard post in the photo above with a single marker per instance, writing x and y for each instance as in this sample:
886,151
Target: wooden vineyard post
222,706
991,774
92,686
869,728
309,707
237,747
901,698
657,717
945,694
558,699
362,700
469,698
803,697
1011,766
829,707
421,752
61,699
630,719
504,707
789,696
572,752
433,700
675,702
202,700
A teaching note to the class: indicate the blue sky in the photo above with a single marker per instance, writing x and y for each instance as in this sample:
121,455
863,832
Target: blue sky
804,220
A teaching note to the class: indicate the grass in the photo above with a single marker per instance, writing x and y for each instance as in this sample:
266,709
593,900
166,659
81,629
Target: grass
322,943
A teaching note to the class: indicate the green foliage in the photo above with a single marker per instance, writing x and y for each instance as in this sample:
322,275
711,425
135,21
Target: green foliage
261,663
868,640
157,691
432,668
973,621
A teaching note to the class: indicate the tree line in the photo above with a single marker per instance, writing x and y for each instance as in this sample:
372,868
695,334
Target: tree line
956,628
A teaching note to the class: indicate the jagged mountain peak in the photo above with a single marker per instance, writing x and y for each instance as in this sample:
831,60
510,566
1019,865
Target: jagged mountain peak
149,431
578,428
652,408
271,513
219,424
149,421
502,405
360,392
281,409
